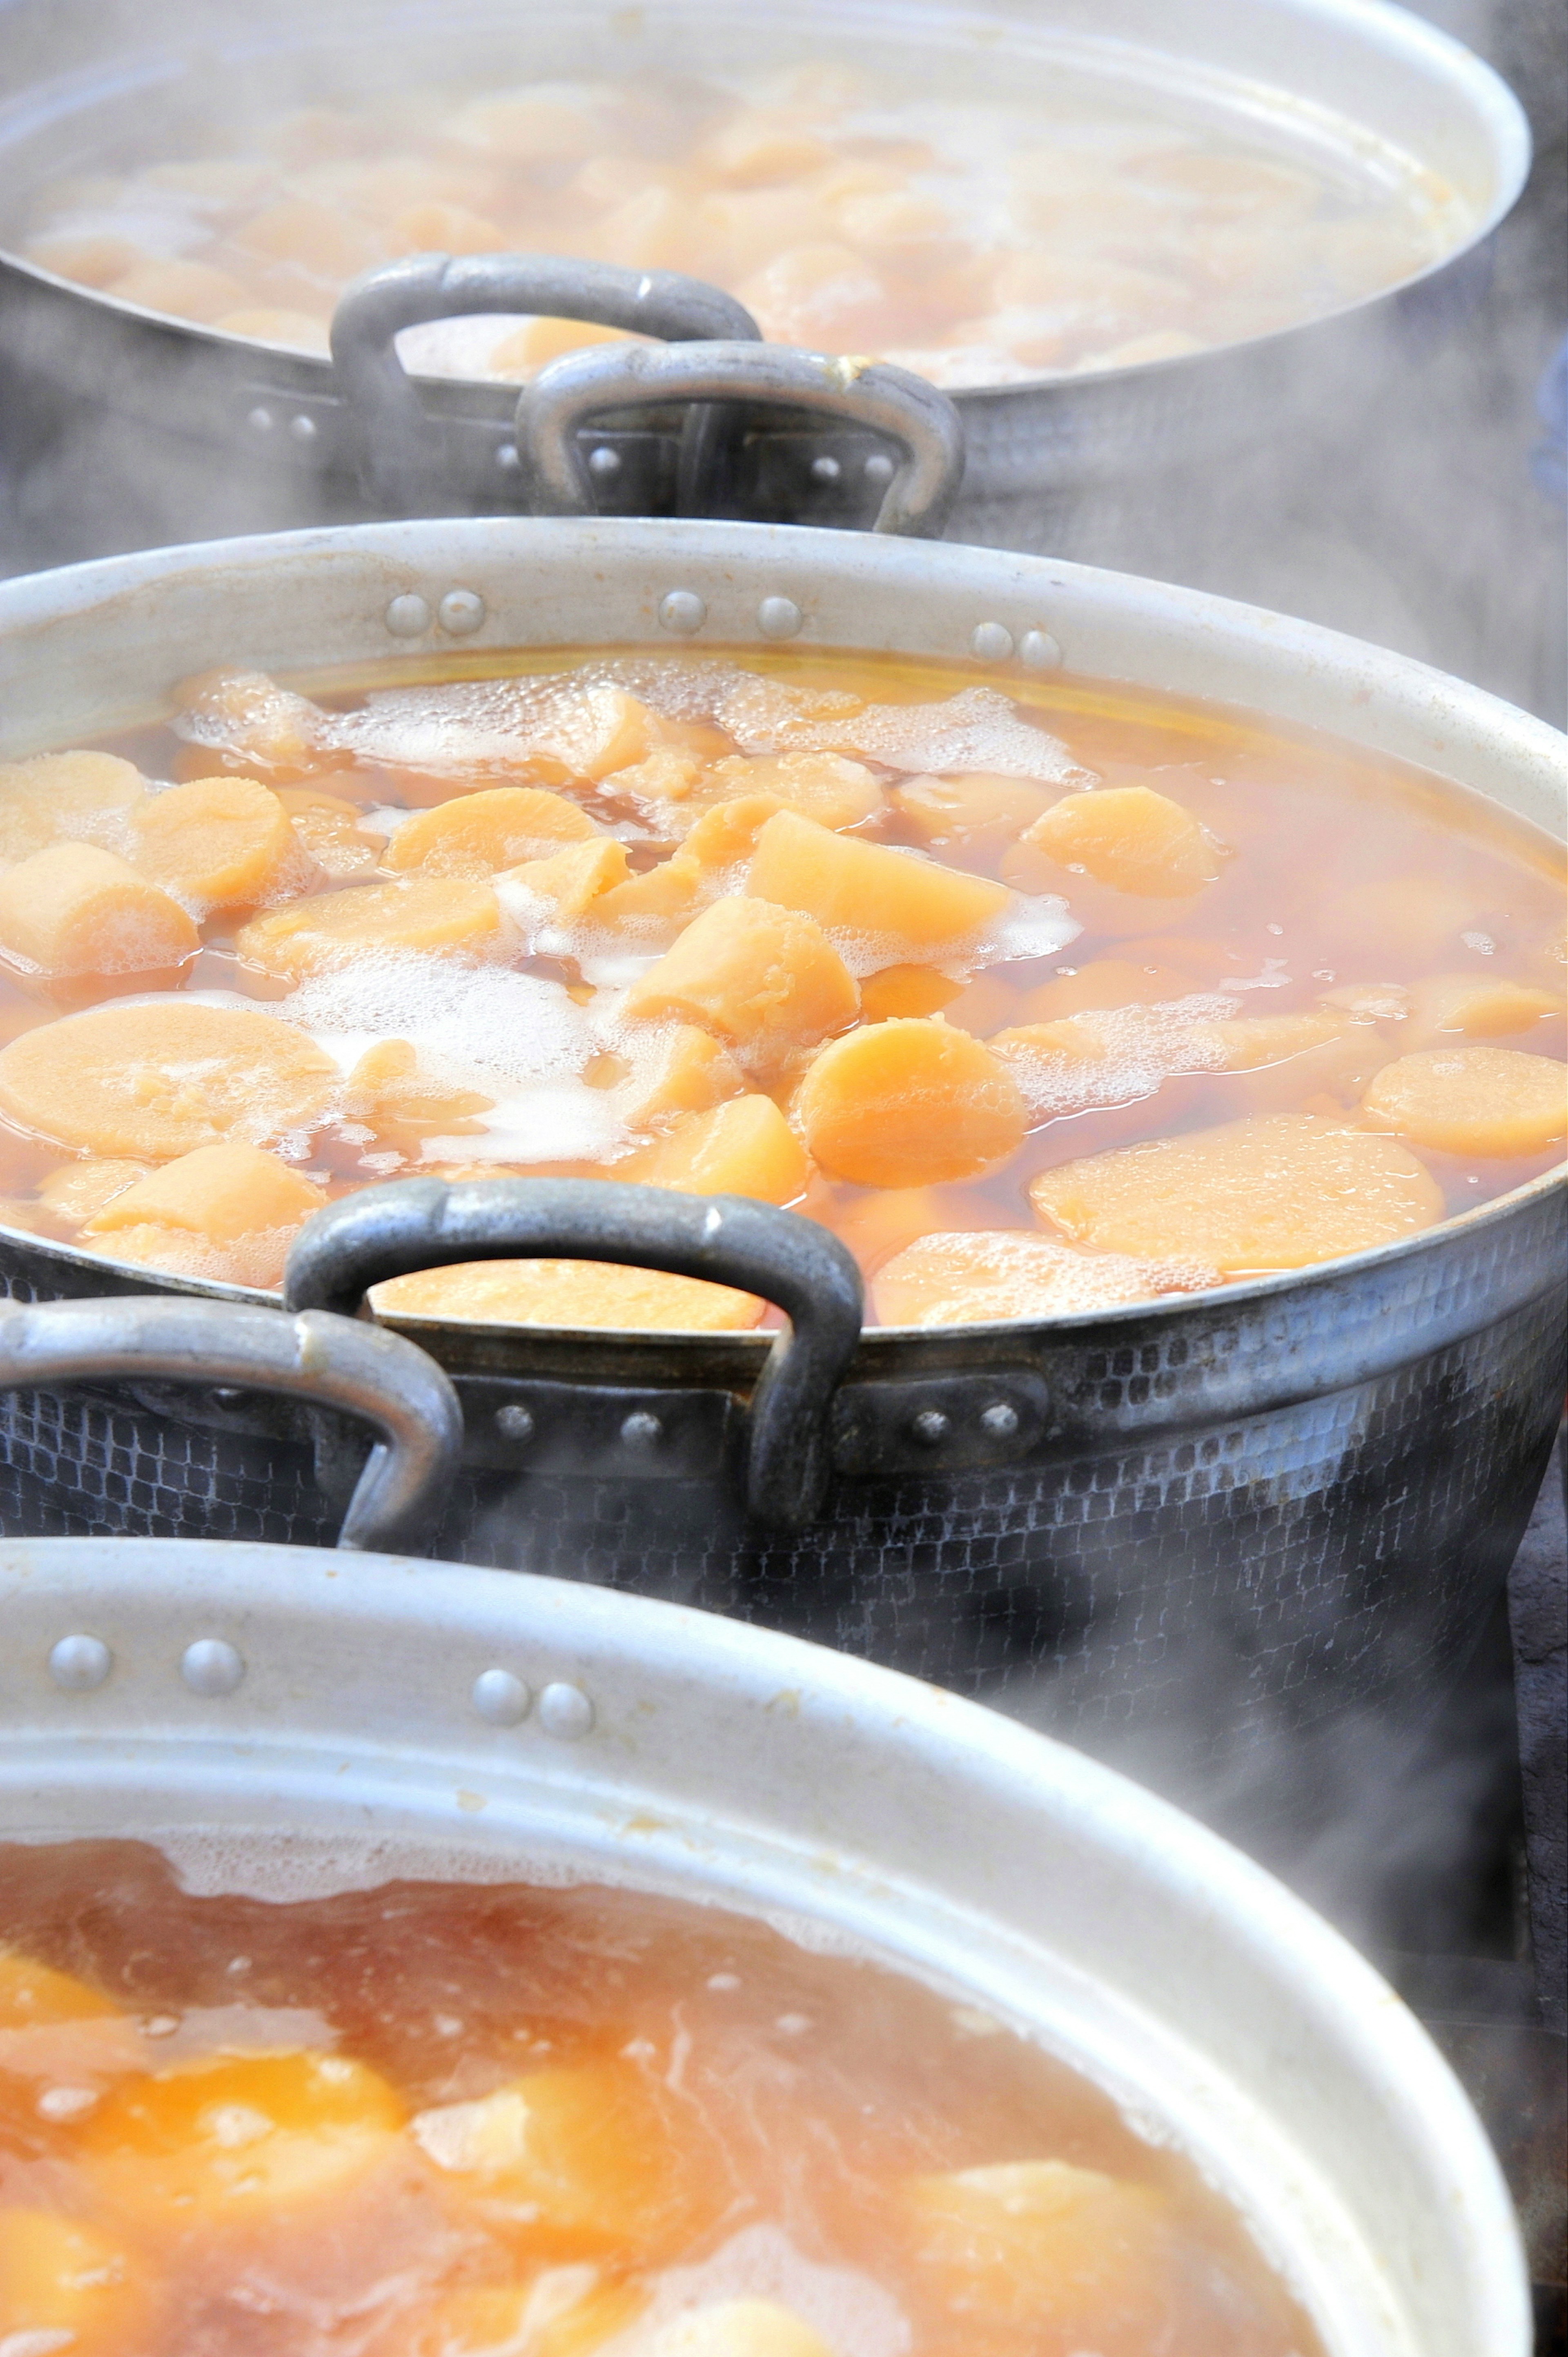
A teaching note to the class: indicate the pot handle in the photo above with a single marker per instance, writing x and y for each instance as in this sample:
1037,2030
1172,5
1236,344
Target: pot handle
336,1362
417,1223
869,394
375,307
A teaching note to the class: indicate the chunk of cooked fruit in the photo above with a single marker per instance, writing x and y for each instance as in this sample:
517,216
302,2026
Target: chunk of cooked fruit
236,2139
1274,1191
978,812
328,830
78,909
60,797
477,834
222,1192
568,884
246,714
34,1996
579,2160
441,916
683,1071
1054,2250
600,731
714,853
66,2286
907,990
1452,1007
851,886
970,1278
1130,838
1493,1103
155,1081
739,2328
908,1103
744,1147
765,979
225,842
573,1293
388,1092
827,787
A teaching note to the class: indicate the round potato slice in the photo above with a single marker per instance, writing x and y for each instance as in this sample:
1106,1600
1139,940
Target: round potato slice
225,842
151,1082
1495,1103
974,1278
1276,1191
910,1103
59,796
568,1293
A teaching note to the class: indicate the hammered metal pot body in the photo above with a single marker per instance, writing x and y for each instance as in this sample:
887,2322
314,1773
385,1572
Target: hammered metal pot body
1258,1509
126,430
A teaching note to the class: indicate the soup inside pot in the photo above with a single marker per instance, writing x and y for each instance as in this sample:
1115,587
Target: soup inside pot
447,2120
1044,998
1078,222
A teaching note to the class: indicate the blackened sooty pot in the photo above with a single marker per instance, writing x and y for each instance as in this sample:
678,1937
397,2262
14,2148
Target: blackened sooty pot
1258,1508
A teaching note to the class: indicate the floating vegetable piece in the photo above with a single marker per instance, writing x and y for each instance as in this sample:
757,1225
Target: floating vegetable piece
574,1293
744,1147
67,2286
387,1091
222,1192
978,812
161,1079
226,842
443,916
77,1189
686,1070
855,887
827,787
65,797
1494,1103
907,990
567,885
1130,838
477,834
1050,2249
1277,1191
1454,1007
78,909
328,830
972,1277
247,716
908,1103
765,979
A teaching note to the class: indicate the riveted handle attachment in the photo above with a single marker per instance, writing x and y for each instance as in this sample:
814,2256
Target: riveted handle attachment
893,401
416,1223
400,459
332,1362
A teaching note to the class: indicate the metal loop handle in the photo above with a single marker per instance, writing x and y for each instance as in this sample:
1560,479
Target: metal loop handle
399,459
869,394
416,1223
331,1361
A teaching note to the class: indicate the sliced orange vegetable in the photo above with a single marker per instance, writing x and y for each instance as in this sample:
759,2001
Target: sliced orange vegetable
908,1103
1493,1103
78,909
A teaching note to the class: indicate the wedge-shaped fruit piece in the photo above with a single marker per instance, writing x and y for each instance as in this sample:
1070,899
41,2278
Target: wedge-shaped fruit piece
328,830
568,884
681,1072
247,715
1449,1008
1130,838
1286,1062
765,979
739,2328
1492,1103
225,842
856,888
1066,2253
744,1148
968,1279
222,1192
579,2160
907,990
908,1103
155,1081
978,812
605,729
60,797
77,909
241,2139
69,2287
573,1293
477,834
711,859
388,1092
443,916
1277,1191
827,787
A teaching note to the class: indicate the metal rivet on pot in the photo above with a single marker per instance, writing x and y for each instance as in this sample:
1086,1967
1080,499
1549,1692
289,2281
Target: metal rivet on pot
260,420
565,1711
211,1667
825,470
500,1697
461,612
407,615
683,611
80,1663
1039,650
302,428
879,467
779,617
641,1431
507,458
515,1422
1000,1419
991,642
604,461
931,1425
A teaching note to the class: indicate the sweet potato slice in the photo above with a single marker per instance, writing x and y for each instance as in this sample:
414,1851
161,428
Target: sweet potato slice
572,1293
477,834
567,885
64,797
79,1189
970,1278
907,1103
69,2285
907,990
224,842
977,813
327,830
443,915
157,1080
222,1192
767,980
1446,1008
828,787
683,1071
1048,2248
1275,1191
855,887
744,1147
1128,837
78,909
1492,1103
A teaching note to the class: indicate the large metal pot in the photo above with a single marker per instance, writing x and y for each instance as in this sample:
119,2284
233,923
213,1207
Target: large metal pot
382,1717
1258,1508
127,429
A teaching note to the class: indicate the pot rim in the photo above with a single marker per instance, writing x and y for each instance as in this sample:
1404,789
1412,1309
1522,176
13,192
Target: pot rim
1382,24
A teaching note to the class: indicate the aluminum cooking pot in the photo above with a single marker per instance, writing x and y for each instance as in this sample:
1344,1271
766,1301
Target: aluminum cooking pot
126,428
1257,1508
365,1717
